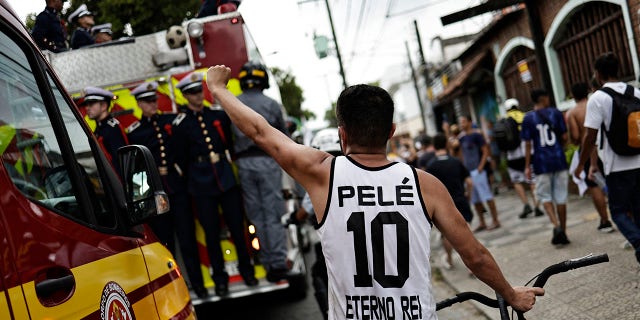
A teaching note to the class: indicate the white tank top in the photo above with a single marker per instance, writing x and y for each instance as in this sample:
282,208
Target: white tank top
375,238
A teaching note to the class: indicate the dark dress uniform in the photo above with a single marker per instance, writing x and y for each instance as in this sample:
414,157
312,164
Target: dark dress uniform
111,137
201,142
108,131
81,38
48,32
155,133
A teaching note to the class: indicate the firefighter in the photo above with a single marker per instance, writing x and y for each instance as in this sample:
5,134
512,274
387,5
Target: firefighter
108,131
48,31
81,37
102,33
202,142
261,176
153,130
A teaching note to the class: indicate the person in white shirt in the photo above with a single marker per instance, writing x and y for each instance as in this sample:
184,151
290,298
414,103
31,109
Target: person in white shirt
374,215
622,173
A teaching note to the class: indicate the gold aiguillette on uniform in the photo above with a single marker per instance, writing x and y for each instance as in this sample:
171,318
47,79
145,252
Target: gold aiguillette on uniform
214,157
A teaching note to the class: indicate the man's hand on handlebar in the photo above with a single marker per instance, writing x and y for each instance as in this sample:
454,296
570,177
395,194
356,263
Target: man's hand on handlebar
524,298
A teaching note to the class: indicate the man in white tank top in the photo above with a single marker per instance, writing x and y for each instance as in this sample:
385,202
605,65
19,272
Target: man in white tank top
374,215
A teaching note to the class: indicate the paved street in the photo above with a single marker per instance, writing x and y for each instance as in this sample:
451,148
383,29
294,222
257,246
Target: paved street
522,249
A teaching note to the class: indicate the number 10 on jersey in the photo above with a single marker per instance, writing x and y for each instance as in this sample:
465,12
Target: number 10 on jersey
356,224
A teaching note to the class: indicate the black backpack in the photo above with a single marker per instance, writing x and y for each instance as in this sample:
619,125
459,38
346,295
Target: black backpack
624,130
506,134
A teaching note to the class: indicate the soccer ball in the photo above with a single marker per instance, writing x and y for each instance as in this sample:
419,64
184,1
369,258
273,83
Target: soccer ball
176,37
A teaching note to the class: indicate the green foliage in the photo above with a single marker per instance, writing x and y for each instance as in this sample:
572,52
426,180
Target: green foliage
30,20
330,116
144,16
291,94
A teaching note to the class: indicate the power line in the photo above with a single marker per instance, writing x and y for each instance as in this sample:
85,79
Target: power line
412,10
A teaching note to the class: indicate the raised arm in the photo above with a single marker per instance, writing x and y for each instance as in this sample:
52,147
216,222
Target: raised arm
309,166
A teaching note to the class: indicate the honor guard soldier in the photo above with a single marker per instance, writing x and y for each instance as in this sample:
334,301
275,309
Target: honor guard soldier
48,30
81,37
201,142
260,175
102,33
108,130
153,130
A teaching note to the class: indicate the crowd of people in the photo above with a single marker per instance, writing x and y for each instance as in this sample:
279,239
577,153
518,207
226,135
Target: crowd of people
608,173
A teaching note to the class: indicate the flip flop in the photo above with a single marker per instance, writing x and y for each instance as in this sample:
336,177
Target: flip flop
493,226
480,228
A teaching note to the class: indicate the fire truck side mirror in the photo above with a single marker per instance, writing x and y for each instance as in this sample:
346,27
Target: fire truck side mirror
142,185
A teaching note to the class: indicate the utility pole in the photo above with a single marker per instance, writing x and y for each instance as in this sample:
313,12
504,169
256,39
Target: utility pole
415,85
427,80
423,61
335,41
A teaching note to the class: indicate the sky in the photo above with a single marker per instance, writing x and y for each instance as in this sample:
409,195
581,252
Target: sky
371,37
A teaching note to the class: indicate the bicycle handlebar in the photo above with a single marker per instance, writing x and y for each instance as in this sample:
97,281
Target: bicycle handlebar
464,296
569,265
564,266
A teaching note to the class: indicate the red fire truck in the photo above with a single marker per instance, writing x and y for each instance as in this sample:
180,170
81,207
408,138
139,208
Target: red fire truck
121,65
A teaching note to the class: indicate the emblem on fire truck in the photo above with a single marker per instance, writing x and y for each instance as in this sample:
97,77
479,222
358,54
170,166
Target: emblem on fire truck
114,304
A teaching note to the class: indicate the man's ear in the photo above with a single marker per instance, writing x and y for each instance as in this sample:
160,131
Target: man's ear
343,139
393,130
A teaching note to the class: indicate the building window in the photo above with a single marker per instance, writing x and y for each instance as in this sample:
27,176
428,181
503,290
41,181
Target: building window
594,29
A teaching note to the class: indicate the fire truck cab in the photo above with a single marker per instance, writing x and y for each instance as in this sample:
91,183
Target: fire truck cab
73,244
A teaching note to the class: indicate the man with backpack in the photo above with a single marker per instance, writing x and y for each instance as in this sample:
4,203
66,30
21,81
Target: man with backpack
544,130
507,131
609,110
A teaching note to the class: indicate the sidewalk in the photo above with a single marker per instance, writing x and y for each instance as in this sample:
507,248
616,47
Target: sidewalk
522,248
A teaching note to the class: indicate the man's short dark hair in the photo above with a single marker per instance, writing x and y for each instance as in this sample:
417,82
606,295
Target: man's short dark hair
537,93
580,91
607,65
366,114
440,141
426,140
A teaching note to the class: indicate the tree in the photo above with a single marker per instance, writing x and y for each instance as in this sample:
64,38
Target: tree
291,94
144,16
30,20
330,116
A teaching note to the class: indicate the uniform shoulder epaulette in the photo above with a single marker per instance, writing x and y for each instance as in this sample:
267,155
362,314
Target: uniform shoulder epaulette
133,126
113,122
179,118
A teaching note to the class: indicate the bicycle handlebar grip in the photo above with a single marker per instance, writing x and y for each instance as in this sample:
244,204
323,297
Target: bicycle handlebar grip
568,265
447,303
587,261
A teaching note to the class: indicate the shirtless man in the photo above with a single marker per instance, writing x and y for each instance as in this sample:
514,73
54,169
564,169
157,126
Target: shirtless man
575,122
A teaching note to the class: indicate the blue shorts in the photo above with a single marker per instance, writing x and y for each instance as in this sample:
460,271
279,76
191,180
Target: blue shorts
481,190
552,187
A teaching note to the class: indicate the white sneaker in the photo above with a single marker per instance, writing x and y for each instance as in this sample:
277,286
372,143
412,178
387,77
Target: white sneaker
445,262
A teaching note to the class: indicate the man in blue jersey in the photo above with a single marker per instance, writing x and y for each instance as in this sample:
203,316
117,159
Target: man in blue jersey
360,198
475,152
544,130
